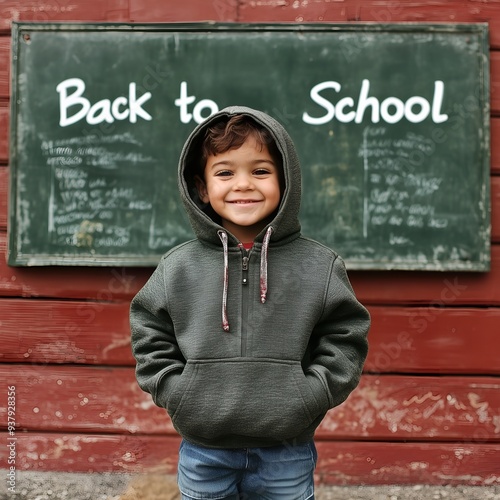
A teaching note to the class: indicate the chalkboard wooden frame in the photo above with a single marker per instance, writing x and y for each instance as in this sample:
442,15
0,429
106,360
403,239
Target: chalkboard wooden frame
77,248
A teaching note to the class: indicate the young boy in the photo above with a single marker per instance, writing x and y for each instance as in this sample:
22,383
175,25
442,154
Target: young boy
250,333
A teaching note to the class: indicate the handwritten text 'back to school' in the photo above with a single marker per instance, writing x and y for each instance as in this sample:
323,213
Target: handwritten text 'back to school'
74,106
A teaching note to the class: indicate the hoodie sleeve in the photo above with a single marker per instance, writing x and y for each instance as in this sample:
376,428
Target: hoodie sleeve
338,345
159,361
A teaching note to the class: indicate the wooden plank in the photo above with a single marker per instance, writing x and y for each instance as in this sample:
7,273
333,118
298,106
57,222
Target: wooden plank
495,81
434,340
93,452
447,11
413,408
392,407
94,283
437,289
495,209
117,11
402,339
373,287
4,66
4,131
339,463
495,145
81,399
345,463
45,331
63,10
186,11
4,188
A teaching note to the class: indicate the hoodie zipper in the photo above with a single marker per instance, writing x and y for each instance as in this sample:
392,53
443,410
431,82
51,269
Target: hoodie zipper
244,300
244,268
244,277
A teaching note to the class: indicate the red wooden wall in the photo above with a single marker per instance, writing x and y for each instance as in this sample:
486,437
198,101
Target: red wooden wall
428,407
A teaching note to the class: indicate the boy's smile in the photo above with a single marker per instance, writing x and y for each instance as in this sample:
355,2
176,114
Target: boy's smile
242,186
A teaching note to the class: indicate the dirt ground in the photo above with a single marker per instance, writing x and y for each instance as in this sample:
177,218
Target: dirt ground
65,486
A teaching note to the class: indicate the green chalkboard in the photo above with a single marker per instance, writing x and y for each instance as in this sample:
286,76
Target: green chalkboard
391,123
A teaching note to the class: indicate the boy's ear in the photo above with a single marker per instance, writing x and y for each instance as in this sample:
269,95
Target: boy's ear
202,188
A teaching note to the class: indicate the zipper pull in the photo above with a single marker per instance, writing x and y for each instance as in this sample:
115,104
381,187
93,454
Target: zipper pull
244,266
244,263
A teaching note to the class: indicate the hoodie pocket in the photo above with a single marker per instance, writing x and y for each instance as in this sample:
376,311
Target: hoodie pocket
244,397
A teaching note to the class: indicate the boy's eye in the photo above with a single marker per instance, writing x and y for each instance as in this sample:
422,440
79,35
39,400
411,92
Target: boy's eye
223,173
261,171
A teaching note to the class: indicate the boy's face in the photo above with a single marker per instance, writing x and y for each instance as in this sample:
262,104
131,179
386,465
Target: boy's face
242,186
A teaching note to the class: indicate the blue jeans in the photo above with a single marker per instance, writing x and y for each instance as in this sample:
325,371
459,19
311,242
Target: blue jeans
280,472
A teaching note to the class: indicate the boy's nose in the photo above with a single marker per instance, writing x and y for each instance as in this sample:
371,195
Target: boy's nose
243,182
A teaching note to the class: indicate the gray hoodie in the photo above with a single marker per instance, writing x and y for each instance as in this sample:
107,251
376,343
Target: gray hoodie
248,348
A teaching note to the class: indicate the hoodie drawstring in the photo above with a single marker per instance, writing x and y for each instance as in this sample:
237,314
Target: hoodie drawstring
263,273
263,265
225,322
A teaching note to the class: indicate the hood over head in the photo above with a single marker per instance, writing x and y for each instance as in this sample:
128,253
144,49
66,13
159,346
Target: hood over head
285,223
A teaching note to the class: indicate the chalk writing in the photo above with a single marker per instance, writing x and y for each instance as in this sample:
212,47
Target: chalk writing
104,110
185,100
89,208
390,110
397,194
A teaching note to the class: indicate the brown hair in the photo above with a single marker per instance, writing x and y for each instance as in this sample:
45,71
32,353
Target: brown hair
225,135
